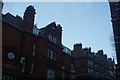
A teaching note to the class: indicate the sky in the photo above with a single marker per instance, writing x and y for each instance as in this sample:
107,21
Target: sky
88,23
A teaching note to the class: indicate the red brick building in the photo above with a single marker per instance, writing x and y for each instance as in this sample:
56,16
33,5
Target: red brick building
29,53
93,65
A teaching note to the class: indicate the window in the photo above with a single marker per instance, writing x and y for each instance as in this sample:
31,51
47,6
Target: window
11,55
54,56
90,63
22,61
72,76
8,78
4,77
48,53
33,50
63,67
63,75
32,65
97,74
50,37
96,66
54,40
35,30
90,70
50,74
51,54
111,73
72,68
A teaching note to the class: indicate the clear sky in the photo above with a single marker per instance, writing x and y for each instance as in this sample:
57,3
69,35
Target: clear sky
88,23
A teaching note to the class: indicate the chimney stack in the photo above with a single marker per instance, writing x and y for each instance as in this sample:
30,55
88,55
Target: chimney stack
59,33
28,19
78,47
77,52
